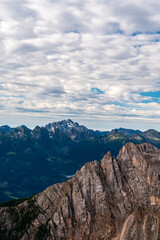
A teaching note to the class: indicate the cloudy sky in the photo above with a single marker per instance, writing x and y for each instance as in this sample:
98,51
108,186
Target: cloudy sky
94,61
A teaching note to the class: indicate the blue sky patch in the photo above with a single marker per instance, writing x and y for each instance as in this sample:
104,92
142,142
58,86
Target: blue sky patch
76,31
147,33
155,40
138,45
97,91
136,33
154,95
151,94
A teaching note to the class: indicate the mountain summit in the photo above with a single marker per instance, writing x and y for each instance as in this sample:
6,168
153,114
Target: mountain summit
63,125
73,130
117,199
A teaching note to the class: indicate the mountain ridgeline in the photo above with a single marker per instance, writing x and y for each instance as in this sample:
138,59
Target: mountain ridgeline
116,199
31,160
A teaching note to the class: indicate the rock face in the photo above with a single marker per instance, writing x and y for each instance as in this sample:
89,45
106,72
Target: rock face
118,199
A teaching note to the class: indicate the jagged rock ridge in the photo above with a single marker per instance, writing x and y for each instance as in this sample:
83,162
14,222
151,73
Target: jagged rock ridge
118,199
73,130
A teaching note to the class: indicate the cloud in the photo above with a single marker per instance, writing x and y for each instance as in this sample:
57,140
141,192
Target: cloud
82,59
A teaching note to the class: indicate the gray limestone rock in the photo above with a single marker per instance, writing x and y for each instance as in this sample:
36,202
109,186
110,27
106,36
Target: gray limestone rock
118,199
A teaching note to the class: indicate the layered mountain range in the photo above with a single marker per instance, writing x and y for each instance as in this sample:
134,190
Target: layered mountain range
116,199
31,160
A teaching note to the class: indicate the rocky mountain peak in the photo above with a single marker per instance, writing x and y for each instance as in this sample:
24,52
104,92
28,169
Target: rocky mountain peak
152,134
5,129
63,125
146,150
70,123
72,129
126,132
115,200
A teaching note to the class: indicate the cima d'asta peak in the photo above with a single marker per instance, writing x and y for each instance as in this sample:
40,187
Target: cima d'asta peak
118,199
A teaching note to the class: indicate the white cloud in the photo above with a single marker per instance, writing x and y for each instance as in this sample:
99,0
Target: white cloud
53,53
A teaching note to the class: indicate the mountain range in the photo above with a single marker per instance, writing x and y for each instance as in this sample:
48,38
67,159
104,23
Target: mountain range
31,160
116,199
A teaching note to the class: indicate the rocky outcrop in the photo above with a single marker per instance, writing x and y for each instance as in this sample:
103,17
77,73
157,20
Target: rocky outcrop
118,199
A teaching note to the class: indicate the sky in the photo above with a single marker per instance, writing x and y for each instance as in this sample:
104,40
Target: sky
96,62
